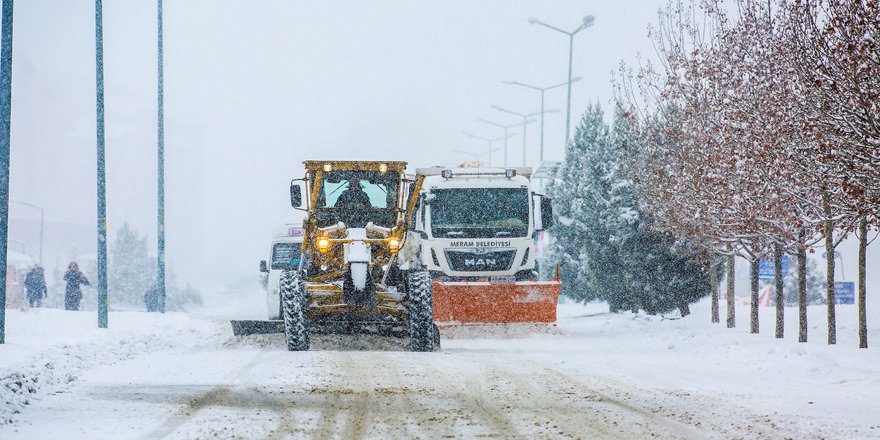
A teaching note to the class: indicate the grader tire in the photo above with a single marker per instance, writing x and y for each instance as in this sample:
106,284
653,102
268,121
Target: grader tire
295,315
421,312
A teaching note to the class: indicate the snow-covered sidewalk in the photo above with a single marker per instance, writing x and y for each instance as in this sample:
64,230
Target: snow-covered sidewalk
47,349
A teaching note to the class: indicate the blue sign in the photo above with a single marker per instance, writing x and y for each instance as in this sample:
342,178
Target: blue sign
844,292
766,270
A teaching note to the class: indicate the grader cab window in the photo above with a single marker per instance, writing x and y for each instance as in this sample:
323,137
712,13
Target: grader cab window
347,195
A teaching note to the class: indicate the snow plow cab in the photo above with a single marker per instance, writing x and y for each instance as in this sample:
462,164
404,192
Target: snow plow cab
349,280
477,230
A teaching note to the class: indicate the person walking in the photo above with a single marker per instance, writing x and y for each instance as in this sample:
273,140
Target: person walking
73,293
35,284
151,298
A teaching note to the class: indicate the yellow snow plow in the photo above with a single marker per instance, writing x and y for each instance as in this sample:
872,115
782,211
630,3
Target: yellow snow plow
350,280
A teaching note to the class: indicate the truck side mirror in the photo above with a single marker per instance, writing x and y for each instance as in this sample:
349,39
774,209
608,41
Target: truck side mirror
546,212
295,195
263,266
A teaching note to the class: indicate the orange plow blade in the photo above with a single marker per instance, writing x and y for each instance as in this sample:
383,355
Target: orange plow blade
464,303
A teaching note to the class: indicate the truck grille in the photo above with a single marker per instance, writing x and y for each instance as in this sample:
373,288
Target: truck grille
480,259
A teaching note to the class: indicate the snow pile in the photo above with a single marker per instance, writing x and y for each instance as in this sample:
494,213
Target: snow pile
46,349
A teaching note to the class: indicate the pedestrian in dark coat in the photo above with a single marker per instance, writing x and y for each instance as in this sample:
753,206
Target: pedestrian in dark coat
73,294
35,284
151,298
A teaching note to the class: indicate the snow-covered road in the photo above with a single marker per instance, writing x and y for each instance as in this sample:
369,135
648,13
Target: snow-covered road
596,376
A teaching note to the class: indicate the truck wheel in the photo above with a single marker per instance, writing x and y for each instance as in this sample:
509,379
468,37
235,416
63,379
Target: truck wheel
421,312
293,305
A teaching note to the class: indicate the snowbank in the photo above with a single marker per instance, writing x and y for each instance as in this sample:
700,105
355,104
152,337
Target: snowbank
46,349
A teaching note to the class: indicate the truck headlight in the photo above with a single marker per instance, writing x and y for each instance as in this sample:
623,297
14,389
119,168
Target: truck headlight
323,245
393,245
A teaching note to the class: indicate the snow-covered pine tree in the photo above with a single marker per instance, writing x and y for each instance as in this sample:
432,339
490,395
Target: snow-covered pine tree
617,219
130,268
661,273
603,240
568,193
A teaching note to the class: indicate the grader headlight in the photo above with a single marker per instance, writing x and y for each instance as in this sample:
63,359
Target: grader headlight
323,245
393,245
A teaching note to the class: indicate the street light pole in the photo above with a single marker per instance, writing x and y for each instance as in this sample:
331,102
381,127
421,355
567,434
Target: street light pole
41,225
506,135
5,114
542,90
526,120
160,261
587,22
489,142
102,191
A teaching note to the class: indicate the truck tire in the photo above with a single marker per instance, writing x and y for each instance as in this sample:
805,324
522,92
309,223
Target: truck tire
295,315
421,312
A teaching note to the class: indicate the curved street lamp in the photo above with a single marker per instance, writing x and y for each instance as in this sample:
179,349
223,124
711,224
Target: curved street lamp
489,142
542,90
506,135
587,22
525,117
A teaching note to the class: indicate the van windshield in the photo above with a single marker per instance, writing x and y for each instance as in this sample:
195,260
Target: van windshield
286,256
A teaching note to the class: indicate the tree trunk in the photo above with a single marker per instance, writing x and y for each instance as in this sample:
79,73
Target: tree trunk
829,273
753,308
731,272
685,309
802,288
863,245
713,279
780,298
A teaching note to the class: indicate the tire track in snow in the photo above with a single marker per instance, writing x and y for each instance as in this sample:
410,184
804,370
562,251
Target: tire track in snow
674,427
342,407
555,414
217,396
674,411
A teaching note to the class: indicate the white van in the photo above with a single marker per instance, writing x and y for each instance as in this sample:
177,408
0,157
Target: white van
284,254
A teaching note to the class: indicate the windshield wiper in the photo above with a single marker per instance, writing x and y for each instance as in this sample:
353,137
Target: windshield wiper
503,234
455,233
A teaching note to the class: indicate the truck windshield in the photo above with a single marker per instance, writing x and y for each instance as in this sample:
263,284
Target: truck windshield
480,212
286,256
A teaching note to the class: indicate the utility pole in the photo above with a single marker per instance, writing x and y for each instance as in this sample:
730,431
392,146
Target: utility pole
160,270
102,190
5,118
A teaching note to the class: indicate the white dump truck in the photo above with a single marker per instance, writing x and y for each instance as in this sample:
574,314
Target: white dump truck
284,254
476,229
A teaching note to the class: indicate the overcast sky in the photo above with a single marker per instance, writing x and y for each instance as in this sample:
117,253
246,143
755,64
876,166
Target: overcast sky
254,88
251,91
